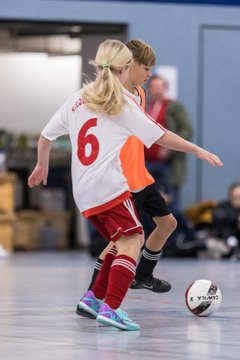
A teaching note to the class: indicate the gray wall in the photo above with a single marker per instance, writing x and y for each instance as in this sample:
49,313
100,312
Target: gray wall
203,42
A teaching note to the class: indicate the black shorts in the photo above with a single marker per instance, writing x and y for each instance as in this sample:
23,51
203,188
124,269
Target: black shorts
151,201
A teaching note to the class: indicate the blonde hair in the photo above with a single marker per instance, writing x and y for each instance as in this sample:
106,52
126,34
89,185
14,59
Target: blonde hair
142,52
104,95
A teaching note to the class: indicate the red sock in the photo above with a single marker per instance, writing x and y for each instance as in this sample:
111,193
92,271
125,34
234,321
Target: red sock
99,288
120,278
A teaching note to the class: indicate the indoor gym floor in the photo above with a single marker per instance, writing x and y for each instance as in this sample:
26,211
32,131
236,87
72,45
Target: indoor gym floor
39,293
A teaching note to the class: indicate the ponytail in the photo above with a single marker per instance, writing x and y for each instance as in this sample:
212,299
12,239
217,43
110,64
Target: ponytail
104,95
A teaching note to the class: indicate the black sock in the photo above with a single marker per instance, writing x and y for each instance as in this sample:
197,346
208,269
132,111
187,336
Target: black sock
97,268
147,263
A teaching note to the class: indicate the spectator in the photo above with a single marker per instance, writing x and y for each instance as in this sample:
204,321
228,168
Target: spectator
166,166
226,221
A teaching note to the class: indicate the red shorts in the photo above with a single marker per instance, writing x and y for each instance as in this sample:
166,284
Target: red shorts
120,220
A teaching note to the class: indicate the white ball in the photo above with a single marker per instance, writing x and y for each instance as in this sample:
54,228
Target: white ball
203,297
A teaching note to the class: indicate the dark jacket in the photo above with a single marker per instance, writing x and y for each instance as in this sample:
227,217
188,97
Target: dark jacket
225,221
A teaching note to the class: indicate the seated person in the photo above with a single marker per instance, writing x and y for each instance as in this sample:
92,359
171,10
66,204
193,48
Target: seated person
226,220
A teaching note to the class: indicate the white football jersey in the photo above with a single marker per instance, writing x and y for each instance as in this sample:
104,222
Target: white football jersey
96,140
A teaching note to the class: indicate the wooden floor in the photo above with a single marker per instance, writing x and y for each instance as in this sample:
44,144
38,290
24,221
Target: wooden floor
39,293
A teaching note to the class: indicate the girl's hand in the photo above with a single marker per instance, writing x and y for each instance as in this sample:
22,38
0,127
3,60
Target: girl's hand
39,174
208,156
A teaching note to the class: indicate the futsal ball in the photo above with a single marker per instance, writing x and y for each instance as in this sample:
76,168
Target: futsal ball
203,297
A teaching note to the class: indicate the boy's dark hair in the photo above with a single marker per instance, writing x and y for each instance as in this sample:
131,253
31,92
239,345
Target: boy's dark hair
142,52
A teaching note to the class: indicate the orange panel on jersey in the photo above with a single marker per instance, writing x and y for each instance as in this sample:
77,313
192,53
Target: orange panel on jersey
133,158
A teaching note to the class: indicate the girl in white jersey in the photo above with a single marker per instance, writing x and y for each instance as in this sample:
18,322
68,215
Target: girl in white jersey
98,120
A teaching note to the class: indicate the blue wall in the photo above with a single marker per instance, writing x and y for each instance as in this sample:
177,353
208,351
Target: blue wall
176,33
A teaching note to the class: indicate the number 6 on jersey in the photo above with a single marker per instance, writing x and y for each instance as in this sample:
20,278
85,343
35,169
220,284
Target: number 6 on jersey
84,139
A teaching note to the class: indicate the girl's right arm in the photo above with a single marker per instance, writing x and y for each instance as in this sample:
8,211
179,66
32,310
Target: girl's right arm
149,132
40,173
174,142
